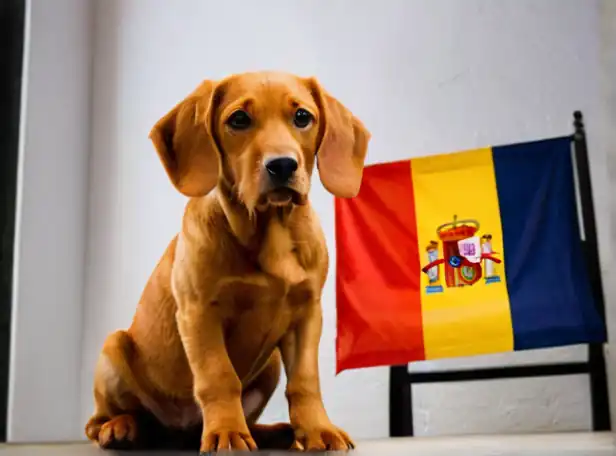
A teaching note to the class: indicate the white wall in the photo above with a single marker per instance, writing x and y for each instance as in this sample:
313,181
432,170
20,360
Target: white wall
51,222
425,77
608,106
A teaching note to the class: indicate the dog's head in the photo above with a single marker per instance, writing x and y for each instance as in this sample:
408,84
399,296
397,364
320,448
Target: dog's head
260,133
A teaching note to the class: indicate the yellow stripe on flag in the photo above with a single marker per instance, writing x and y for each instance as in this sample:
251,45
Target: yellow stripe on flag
456,195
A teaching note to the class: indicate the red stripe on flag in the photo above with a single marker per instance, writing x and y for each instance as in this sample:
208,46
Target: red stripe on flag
379,318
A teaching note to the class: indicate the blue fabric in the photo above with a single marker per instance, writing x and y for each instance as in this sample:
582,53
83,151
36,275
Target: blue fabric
547,279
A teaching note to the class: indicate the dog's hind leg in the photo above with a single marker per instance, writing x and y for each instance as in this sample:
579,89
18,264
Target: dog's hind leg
115,422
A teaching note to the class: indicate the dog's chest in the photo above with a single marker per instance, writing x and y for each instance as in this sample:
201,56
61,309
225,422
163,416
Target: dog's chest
259,310
279,276
267,290
263,303
263,294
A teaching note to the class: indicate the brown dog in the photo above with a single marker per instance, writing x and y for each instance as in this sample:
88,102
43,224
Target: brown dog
240,287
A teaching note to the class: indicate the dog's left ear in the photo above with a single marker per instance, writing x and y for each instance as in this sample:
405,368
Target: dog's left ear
343,145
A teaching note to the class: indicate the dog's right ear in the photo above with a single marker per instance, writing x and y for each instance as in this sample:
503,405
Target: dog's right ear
185,145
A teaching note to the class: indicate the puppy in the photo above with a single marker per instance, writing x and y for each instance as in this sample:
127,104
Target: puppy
238,291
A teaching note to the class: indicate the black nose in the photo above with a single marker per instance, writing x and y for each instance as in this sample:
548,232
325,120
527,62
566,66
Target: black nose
281,169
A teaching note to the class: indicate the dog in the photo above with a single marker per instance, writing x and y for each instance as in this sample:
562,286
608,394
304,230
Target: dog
237,294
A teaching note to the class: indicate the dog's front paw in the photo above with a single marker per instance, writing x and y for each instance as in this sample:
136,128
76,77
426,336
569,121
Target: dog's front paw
119,433
226,440
328,438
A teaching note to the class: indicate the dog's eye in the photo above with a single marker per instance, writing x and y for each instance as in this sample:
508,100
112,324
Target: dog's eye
239,120
302,118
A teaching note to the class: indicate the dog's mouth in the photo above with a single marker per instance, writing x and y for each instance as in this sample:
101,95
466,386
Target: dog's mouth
283,196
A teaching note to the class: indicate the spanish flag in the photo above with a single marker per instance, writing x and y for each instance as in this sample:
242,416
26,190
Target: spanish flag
462,254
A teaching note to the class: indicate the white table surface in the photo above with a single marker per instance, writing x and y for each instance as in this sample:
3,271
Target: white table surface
565,444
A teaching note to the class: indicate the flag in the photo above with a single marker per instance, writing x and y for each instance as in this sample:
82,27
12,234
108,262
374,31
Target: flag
462,254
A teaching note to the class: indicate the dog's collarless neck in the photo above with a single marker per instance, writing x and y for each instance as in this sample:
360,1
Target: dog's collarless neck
248,228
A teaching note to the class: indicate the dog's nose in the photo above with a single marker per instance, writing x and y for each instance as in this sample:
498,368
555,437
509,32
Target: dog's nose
281,169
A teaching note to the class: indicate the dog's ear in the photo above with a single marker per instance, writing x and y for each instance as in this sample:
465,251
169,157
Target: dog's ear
185,145
343,145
